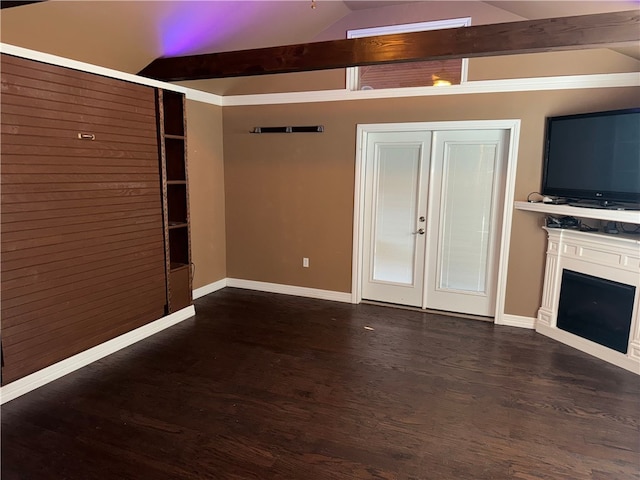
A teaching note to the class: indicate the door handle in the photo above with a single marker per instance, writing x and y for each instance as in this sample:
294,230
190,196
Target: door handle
419,232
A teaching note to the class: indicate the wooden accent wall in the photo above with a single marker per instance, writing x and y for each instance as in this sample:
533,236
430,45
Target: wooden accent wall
82,235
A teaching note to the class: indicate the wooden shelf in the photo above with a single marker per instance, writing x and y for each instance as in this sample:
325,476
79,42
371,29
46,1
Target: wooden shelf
177,225
176,202
175,266
623,216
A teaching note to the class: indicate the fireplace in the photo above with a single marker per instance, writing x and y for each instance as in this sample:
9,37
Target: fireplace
590,296
596,309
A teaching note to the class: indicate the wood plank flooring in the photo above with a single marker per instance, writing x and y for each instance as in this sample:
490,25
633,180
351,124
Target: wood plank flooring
262,386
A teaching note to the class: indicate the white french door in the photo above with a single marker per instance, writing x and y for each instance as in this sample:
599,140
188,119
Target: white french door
396,178
432,211
465,211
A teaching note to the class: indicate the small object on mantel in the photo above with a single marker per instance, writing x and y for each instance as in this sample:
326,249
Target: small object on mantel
562,222
611,228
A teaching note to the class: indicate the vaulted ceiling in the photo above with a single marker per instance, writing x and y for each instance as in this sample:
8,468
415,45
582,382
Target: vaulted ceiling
128,35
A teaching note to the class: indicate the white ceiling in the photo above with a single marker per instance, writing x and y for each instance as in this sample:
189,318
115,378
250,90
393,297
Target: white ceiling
550,9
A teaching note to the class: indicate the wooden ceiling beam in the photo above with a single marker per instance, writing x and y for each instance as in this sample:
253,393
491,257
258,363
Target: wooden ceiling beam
530,36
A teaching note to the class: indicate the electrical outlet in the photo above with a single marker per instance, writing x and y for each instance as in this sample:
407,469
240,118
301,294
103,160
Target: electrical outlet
305,262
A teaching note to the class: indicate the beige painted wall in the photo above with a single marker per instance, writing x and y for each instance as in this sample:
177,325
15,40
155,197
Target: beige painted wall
206,192
574,62
275,83
289,196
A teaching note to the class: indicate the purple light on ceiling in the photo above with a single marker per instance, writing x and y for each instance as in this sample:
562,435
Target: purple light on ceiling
195,27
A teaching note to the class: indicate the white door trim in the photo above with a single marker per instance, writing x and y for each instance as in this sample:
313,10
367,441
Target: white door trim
512,125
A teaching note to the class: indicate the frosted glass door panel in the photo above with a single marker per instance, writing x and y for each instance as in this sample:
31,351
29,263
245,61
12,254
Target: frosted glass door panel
466,221
396,195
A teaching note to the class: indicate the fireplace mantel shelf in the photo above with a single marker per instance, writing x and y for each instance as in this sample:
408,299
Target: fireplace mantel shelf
624,216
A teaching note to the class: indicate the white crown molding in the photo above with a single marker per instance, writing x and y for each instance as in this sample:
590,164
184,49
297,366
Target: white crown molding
572,82
289,290
68,365
204,97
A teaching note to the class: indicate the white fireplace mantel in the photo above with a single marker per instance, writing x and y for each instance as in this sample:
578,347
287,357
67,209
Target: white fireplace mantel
612,257
611,215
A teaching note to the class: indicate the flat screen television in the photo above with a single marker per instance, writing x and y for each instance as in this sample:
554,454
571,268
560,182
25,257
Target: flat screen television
593,158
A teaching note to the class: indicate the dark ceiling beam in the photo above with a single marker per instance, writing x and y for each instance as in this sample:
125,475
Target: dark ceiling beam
530,36
10,4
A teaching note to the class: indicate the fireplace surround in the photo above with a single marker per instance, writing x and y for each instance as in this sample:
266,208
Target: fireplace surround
602,277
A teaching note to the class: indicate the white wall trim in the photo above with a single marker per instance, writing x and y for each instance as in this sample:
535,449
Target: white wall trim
409,27
516,321
289,290
572,82
592,348
507,216
204,97
352,72
68,365
440,126
191,93
210,288
358,212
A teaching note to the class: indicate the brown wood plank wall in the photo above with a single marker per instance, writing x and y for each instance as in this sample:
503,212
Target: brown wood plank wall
82,234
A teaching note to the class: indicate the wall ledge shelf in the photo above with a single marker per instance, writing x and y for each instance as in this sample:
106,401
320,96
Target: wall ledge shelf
173,225
174,266
624,216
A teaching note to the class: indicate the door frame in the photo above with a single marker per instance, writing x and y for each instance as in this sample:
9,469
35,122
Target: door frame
363,131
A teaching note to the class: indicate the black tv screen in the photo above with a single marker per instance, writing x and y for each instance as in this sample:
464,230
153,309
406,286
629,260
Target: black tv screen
593,156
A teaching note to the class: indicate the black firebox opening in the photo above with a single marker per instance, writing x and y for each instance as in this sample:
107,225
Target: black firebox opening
596,309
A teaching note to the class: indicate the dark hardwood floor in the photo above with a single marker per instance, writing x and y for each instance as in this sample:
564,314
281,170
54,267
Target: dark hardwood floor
261,386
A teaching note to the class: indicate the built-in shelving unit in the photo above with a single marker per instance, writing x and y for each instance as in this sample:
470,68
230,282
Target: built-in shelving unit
173,150
610,215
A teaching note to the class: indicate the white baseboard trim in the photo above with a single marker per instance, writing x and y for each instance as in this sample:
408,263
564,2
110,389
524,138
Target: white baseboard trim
619,359
516,321
68,365
210,288
290,290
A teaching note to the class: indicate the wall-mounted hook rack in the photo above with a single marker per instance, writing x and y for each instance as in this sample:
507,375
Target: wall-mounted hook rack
305,129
